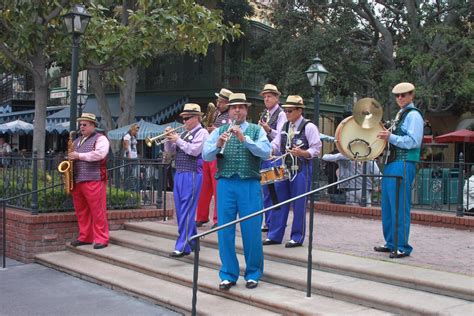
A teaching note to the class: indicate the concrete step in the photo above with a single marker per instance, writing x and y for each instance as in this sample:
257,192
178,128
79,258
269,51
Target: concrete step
385,270
277,298
381,296
165,293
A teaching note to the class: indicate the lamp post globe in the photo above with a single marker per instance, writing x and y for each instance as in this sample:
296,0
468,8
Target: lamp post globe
76,22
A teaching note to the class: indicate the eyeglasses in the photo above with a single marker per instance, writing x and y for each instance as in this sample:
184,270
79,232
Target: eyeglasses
187,118
402,95
83,124
288,111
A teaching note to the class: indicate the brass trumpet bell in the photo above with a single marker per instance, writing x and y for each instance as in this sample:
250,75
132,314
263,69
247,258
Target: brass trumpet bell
367,113
161,139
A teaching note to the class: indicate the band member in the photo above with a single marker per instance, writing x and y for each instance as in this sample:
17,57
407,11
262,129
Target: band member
188,176
241,146
272,120
405,141
90,175
300,138
209,168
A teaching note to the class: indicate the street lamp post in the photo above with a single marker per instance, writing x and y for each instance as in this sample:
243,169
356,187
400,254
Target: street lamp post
317,75
82,96
76,22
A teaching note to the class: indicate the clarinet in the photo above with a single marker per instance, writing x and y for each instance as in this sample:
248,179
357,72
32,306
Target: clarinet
220,154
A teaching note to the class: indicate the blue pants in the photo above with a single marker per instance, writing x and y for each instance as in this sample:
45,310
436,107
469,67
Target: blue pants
240,197
286,190
187,186
407,170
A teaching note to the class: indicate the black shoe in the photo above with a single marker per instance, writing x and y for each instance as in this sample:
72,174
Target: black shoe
399,254
382,249
264,228
100,246
178,254
214,226
226,285
293,244
251,284
199,223
268,242
76,243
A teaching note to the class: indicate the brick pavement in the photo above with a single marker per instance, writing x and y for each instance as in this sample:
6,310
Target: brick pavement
438,248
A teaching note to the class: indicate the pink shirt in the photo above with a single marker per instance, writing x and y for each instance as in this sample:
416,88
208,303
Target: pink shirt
102,146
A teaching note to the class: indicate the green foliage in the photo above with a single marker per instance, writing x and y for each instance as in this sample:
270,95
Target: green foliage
369,47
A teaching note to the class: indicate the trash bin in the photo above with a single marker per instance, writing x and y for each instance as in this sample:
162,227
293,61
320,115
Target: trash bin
430,186
452,186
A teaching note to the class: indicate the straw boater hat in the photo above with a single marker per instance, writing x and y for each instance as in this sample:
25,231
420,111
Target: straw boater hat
88,117
294,101
191,109
403,87
223,94
269,88
238,98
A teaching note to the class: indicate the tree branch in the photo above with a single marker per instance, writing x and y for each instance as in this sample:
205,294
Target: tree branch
7,52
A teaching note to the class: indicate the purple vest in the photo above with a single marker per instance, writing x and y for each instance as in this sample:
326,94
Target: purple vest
222,119
298,139
185,162
272,122
88,170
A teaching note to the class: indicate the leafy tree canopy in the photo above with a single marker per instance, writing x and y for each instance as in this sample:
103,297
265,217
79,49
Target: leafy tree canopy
368,46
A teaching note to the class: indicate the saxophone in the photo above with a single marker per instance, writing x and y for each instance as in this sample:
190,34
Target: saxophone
210,116
66,168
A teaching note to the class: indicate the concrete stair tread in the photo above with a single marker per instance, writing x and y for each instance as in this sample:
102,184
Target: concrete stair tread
348,288
168,294
268,295
389,270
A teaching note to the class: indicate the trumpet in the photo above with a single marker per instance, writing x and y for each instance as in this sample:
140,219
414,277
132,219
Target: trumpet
220,154
161,139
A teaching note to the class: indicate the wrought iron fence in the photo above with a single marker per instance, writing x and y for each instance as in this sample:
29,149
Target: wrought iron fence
438,186
134,183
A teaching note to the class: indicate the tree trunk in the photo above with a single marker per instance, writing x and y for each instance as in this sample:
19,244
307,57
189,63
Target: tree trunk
102,102
40,81
127,96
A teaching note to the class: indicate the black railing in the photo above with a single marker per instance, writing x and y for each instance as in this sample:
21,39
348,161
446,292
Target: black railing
131,184
196,238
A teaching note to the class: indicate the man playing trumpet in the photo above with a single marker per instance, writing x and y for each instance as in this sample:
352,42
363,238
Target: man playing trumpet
238,190
300,138
187,180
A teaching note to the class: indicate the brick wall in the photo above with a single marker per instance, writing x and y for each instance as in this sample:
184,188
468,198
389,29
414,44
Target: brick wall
440,219
28,235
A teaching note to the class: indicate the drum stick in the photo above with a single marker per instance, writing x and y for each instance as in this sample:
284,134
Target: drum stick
284,155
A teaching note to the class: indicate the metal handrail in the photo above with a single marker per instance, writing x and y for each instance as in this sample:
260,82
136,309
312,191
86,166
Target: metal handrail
197,237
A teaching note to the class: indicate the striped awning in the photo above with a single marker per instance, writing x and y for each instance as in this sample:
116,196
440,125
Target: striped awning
146,130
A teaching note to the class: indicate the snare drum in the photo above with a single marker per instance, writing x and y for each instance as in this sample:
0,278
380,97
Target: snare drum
359,143
274,174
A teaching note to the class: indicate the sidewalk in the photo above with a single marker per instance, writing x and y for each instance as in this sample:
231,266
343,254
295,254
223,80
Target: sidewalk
36,290
437,248
32,289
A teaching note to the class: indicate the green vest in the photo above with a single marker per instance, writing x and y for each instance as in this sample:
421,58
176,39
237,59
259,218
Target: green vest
402,154
238,160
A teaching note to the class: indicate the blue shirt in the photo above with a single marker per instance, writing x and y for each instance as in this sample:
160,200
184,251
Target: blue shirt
412,126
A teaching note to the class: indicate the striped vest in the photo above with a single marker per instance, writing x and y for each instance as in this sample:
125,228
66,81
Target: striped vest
88,170
185,162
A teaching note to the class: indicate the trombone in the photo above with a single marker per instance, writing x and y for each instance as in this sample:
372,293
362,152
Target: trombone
161,139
